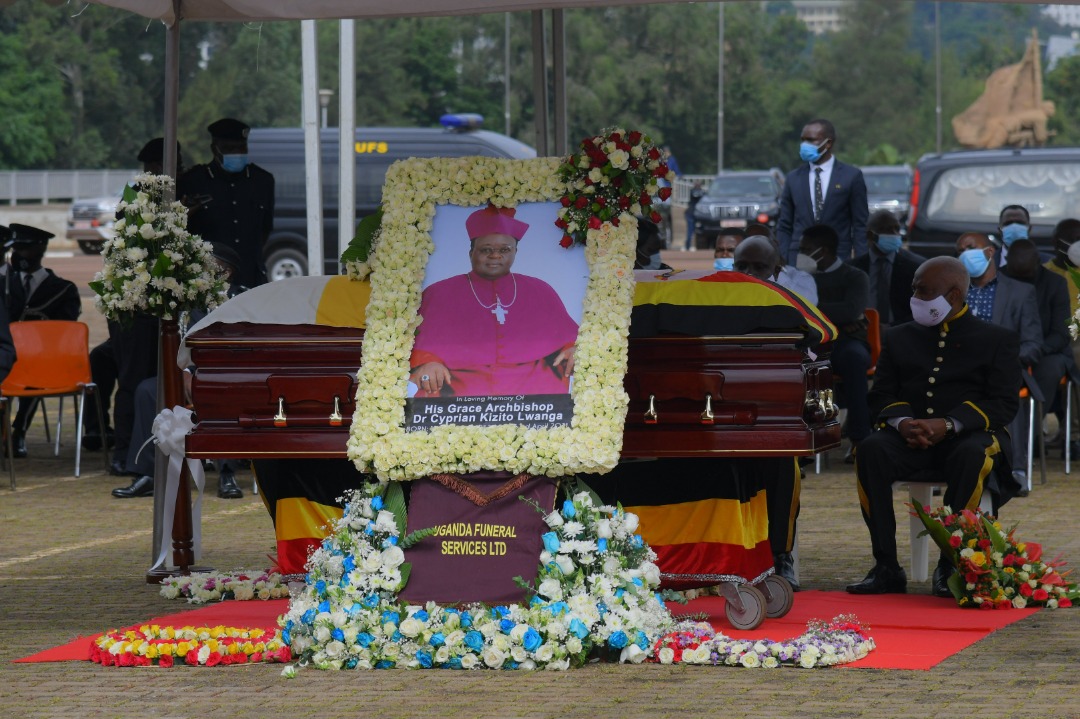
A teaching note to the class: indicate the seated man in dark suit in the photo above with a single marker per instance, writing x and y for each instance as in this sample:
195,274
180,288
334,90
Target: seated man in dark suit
945,388
842,296
890,268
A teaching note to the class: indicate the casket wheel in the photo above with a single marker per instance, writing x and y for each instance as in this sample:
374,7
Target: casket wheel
752,612
779,596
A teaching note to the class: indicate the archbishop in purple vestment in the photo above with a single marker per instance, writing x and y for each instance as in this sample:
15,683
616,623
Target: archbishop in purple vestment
492,331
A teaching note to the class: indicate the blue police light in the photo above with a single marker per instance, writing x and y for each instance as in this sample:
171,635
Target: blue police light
461,121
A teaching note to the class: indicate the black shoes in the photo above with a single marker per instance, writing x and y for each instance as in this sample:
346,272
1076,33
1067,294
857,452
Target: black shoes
117,469
139,487
784,564
227,488
91,441
881,580
939,586
18,444
849,456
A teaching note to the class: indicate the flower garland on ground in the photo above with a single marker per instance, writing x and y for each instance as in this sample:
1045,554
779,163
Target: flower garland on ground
996,570
612,173
595,593
824,644
203,587
378,442
153,264
152,644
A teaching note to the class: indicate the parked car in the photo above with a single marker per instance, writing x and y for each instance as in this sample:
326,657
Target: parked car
90,221
964,191
281,152
735,199
888,187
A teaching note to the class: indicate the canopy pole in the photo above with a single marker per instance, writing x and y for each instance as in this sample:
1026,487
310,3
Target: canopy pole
558,56
347,130
540,96
312,146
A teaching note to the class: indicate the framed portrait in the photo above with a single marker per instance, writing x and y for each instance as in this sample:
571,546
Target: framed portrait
489,344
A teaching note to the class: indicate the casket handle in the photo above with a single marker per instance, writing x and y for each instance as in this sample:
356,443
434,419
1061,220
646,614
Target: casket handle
335,416
831,410
280,420
650,413
707,416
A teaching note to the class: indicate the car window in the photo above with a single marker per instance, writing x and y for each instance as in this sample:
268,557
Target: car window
887,183
743,186
977,194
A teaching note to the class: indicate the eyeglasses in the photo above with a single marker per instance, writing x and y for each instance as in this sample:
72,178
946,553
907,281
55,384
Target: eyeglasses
495,251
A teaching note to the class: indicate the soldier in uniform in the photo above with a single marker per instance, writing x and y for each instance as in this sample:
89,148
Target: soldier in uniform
230,200
35,293
946,387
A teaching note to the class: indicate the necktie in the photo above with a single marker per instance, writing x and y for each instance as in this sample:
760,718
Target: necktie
817,194
26,286
881,282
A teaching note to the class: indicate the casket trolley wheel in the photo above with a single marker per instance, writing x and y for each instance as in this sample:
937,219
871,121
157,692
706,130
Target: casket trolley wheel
745,606
779,596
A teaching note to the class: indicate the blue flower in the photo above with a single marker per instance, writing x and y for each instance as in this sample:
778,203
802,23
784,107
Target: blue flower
364,639
424,658
396,636
337,634
536,600
349,564
389,617
308,617
578,628
369,529
289,625
384,664
324,605
351,663
642,640
619,592
376,503
510,665
501,611
557,608
602,608
344,581
437,639
466,620
638,582
601,545
551,542
637,541
372,601
286,636
421,615
618,640
454,663
320,587
345,509
507,625
474,640
568,509
531,640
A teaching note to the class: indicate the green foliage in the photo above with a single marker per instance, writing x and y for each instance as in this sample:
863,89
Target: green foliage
394,502
413,537
360,246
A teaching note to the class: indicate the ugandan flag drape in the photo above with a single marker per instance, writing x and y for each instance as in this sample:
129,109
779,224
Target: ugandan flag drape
303,499
723,303
705,518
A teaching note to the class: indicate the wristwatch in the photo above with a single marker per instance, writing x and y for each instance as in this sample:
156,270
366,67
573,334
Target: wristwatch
949,427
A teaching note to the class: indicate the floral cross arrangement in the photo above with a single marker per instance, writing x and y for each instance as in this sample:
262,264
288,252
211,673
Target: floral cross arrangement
995,569
153,265
612,173
203,587
165,646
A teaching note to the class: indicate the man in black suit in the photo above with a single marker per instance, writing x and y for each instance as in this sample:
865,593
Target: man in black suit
822,191
230,200
842,292
945,388
38,294
890,268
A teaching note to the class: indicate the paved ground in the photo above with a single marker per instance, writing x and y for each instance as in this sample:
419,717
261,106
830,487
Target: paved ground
72,561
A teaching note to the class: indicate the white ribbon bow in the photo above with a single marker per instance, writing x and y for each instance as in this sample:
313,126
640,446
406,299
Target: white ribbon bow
170,429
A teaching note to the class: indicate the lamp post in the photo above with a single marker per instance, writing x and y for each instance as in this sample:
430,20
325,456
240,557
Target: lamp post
324,103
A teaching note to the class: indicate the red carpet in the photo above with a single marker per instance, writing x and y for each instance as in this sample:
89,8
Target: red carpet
911,631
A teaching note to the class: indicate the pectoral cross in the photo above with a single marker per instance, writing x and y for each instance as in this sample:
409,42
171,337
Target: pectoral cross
499,312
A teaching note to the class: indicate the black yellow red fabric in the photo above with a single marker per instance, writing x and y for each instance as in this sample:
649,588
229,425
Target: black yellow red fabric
725,303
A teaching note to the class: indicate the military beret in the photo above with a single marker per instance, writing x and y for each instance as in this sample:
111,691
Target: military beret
225,253
228,129
26,235
154,151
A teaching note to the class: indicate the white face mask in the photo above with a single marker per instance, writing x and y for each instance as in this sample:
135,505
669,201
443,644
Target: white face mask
1074,253
806,263
929,313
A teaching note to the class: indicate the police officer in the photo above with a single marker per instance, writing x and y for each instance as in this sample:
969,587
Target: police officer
230,200
36,293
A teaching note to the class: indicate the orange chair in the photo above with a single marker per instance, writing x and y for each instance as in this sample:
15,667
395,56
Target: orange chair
873,337
53,360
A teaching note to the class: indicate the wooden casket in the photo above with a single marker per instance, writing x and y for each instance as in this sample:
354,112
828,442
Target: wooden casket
265,391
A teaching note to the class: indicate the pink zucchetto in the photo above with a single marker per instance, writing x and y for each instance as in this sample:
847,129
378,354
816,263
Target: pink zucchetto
493,220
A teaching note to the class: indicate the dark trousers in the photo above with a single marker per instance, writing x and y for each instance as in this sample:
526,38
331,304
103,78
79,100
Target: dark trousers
135,348
780,477
103,371
964,461
850,361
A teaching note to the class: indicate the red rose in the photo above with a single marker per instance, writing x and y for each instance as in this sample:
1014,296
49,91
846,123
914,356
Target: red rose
601,201
1025,589
561,223
126,659
141,661
624,202
660,171
594,223
984,544
615,221
213,659
192,657
665,193
565,200
257,657
654,154
582,202
566,241
239,658
1040,595
634,137
634,164
1064,602
617,181
655,217
955,542
165,660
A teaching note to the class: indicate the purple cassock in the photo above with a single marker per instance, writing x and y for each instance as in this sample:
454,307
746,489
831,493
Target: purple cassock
496,337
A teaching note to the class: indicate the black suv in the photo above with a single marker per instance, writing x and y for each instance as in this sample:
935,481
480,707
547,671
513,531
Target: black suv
965,191
735,199
888,187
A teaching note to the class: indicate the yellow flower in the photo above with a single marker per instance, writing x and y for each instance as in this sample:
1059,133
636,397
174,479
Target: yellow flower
166,649
978,559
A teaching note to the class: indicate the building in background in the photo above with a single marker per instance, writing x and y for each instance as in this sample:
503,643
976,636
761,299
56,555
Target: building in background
822,16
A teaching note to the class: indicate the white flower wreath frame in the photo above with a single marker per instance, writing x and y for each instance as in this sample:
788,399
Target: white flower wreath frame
378,442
